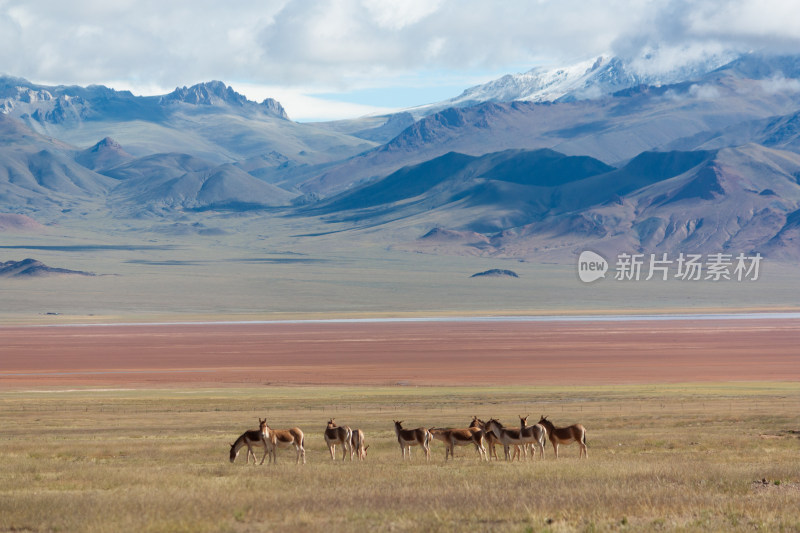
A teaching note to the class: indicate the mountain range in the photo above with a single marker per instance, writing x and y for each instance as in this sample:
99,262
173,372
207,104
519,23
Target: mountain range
608,154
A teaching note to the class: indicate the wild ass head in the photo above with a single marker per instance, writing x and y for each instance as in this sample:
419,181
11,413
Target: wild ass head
234,452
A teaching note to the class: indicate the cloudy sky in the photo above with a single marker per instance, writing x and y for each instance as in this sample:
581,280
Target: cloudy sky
339,58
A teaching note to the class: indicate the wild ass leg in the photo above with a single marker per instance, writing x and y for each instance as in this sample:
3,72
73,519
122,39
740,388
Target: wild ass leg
349,443
346,452
482,450
582,444
249,453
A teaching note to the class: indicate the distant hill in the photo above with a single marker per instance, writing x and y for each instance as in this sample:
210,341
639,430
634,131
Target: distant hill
37,172
31,268
496,273
106,154
165,182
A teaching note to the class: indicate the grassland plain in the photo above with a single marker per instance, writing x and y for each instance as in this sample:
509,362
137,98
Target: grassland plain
661,457
271,266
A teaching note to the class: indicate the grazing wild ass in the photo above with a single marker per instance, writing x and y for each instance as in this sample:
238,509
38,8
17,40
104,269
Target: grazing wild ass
284,438
459,437
534,435
412,437
338,435
566,435
357,445
250,438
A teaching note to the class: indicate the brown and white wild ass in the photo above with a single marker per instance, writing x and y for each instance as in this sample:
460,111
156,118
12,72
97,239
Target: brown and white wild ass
357,445
338,435
507,436
488,436
412,437
534,435
459,437
566,435
284,438
250,438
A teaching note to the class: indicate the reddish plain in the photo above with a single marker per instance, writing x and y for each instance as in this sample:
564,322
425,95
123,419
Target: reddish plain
413,353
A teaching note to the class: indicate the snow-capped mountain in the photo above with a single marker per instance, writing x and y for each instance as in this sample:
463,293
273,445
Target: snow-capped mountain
588,79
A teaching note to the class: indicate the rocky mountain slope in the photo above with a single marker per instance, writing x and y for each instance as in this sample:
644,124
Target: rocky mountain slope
702,159
208,120
741,102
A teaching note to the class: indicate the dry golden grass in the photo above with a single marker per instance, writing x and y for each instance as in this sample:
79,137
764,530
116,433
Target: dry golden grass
665,457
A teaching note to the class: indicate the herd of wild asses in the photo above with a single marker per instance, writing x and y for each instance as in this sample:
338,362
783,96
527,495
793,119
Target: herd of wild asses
481,434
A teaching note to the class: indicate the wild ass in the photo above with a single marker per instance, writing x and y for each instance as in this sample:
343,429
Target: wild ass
534,435
459,437
357,445
250,438
338,435
491,440
507,436
412,437
566,435
284,438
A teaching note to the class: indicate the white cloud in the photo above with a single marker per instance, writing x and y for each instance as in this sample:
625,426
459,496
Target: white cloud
302,105
704,92
780,85
398,15
21,16
754,20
